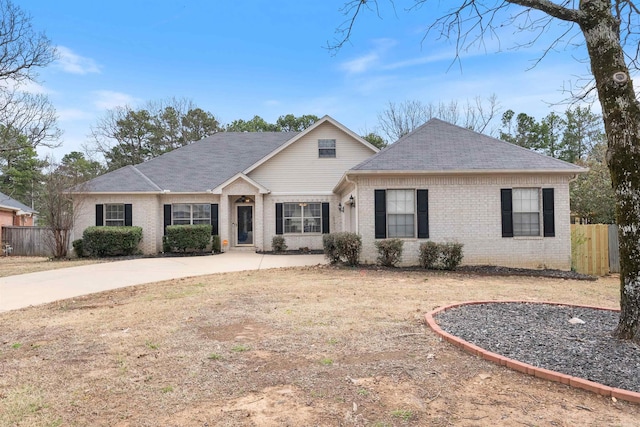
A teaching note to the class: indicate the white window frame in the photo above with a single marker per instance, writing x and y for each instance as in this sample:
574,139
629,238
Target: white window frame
304,223
327,148
114,214
526,208
399,210
195,215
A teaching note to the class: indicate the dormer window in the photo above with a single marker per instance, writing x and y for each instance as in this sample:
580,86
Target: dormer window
326,148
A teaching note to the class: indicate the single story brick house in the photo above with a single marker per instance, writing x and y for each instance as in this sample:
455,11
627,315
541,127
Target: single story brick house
508,205
14,213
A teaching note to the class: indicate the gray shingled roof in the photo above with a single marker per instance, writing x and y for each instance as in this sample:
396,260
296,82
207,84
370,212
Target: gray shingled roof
197,167
441,146
10,202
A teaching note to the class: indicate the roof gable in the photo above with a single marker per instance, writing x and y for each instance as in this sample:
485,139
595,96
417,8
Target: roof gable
243,178
438,146
325,119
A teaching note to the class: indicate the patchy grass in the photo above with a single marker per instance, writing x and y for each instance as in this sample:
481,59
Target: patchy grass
14,265
144,355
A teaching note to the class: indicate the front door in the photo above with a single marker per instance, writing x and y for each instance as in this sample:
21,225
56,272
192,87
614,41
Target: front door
245,225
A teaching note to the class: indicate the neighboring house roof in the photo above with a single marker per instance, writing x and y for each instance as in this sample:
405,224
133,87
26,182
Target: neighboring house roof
9,203
196,167
440,147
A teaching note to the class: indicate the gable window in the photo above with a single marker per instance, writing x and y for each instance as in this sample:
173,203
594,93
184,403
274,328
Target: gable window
522,214
114,215
401,213
327,148
191,214
401,210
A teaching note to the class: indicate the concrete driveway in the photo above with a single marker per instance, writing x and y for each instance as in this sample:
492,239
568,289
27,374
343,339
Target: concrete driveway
47,286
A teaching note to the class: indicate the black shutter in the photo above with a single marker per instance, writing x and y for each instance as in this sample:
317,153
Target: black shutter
99,215
279,218
214,219
325,218
167,217
548,220
380,208
128,215
423,214
507,212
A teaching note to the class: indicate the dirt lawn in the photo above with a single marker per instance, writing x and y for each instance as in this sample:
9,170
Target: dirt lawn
315,346
13,265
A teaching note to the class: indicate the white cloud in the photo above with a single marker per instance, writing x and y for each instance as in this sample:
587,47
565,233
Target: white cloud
420,61
106,99
272,103
28,86
366,62
72,114
361,64
73,63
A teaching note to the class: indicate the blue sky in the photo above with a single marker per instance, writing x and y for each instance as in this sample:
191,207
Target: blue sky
268,58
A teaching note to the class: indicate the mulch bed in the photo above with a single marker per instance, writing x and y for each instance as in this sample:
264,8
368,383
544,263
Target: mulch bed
541,335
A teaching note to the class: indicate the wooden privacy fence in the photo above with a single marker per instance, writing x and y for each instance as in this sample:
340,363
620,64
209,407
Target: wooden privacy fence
26,241
594,249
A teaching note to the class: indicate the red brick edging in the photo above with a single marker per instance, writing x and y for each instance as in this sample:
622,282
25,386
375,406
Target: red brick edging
525,368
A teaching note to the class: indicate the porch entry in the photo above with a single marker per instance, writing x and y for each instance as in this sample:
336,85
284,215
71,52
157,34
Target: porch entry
245,225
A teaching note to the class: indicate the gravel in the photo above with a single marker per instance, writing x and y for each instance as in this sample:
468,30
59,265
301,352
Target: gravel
541,335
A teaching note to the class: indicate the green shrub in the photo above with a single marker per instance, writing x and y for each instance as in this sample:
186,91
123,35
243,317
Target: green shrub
165,245
451,255
343,247
429,255
278,244
77,247
215,244
349,246
102,241
444,256
192,237
389,252
330,249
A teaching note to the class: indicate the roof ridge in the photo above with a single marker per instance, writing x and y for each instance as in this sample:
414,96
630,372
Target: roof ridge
146,178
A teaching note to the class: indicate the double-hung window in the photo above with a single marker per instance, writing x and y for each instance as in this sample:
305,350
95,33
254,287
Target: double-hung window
526,212
191,214
114,215
401,213
401,209
302,217
326,148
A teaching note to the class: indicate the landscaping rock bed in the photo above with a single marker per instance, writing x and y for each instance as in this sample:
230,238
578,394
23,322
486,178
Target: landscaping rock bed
541,335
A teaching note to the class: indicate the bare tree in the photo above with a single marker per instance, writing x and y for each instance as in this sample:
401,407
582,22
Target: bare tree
57,210
398,120
610,30
29,115
22,49
22,52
